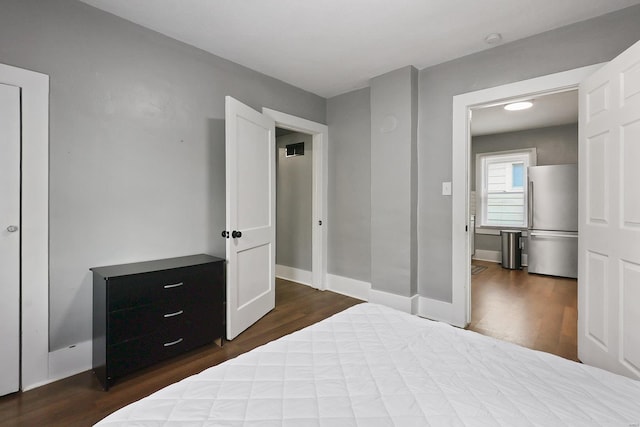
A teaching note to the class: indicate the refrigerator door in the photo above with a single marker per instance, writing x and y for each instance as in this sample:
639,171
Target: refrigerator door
553,197
553,253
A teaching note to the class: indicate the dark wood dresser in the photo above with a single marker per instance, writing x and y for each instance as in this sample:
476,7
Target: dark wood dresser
149,311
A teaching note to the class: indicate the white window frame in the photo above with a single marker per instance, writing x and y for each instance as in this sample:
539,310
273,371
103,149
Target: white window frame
527,155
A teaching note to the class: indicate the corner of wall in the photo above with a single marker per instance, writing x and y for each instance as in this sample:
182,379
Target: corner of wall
399,302
349,287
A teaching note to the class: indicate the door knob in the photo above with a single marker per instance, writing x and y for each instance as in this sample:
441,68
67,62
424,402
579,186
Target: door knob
12,228
236,234
225,234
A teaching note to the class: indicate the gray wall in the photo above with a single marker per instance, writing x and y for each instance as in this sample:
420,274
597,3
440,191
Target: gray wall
349,192
566,48
555,145
393,185
584,43
136,142
294,203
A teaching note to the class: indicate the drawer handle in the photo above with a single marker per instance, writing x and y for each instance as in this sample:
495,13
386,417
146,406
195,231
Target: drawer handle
177,313
169,344
175,285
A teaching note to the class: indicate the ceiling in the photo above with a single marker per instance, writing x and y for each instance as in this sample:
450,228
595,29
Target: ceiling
329,47
547,110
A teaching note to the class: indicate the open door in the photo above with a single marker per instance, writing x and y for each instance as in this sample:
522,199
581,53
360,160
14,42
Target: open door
250,232
609,223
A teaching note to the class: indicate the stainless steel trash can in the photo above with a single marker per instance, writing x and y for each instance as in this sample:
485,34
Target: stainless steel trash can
511,249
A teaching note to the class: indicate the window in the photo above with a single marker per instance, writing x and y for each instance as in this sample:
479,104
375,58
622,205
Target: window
501,188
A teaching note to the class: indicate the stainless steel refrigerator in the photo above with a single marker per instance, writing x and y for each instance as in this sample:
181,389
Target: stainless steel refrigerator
553,220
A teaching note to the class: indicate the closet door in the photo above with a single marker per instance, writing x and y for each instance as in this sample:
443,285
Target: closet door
9,239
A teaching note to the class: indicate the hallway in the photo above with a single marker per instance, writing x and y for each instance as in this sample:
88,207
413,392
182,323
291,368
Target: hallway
534,311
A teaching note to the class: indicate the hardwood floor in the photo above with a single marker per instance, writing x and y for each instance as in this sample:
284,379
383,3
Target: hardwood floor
79,400
538,312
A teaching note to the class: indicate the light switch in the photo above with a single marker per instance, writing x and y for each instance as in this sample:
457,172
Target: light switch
446,188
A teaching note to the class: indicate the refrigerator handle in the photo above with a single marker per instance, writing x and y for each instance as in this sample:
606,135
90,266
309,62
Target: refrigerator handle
530,205
552,234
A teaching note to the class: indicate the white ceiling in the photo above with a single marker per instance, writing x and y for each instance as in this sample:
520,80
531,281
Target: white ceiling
330,47
547,110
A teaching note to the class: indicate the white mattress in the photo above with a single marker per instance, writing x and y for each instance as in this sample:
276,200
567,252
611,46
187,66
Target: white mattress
374,366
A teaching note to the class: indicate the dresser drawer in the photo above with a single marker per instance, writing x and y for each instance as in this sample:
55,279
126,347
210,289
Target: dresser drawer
143,320
133,322
140,352
143,351
179,286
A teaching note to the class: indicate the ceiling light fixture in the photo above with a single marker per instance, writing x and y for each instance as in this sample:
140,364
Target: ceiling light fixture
517,106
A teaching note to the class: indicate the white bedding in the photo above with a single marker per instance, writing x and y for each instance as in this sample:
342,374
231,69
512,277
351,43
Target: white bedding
374,366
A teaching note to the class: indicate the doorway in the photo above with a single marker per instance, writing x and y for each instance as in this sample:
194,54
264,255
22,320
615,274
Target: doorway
294,190
319,182
462,105
532,310
251,209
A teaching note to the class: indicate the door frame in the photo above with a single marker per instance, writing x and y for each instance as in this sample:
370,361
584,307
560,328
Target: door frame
460,313
34,223
320,135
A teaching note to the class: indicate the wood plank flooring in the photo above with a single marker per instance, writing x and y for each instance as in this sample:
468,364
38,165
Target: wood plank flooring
538,312
79,400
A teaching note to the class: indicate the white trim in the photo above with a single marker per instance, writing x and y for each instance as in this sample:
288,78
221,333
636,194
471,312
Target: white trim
349,287
69,361
415,304
461,255
399,302
297,275
34,221
320,135
440,311
495,256
487,255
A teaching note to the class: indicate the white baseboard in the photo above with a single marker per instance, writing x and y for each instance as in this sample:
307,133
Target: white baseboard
294,274
439,310
362,290
66,362
349,287
494,256
485,255
399,302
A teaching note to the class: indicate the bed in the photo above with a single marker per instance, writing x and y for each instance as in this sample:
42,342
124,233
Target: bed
371,365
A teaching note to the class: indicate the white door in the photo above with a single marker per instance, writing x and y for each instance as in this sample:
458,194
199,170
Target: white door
9,239
251,215
609,215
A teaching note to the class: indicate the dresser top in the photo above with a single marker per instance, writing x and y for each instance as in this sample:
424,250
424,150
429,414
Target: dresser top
156,265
